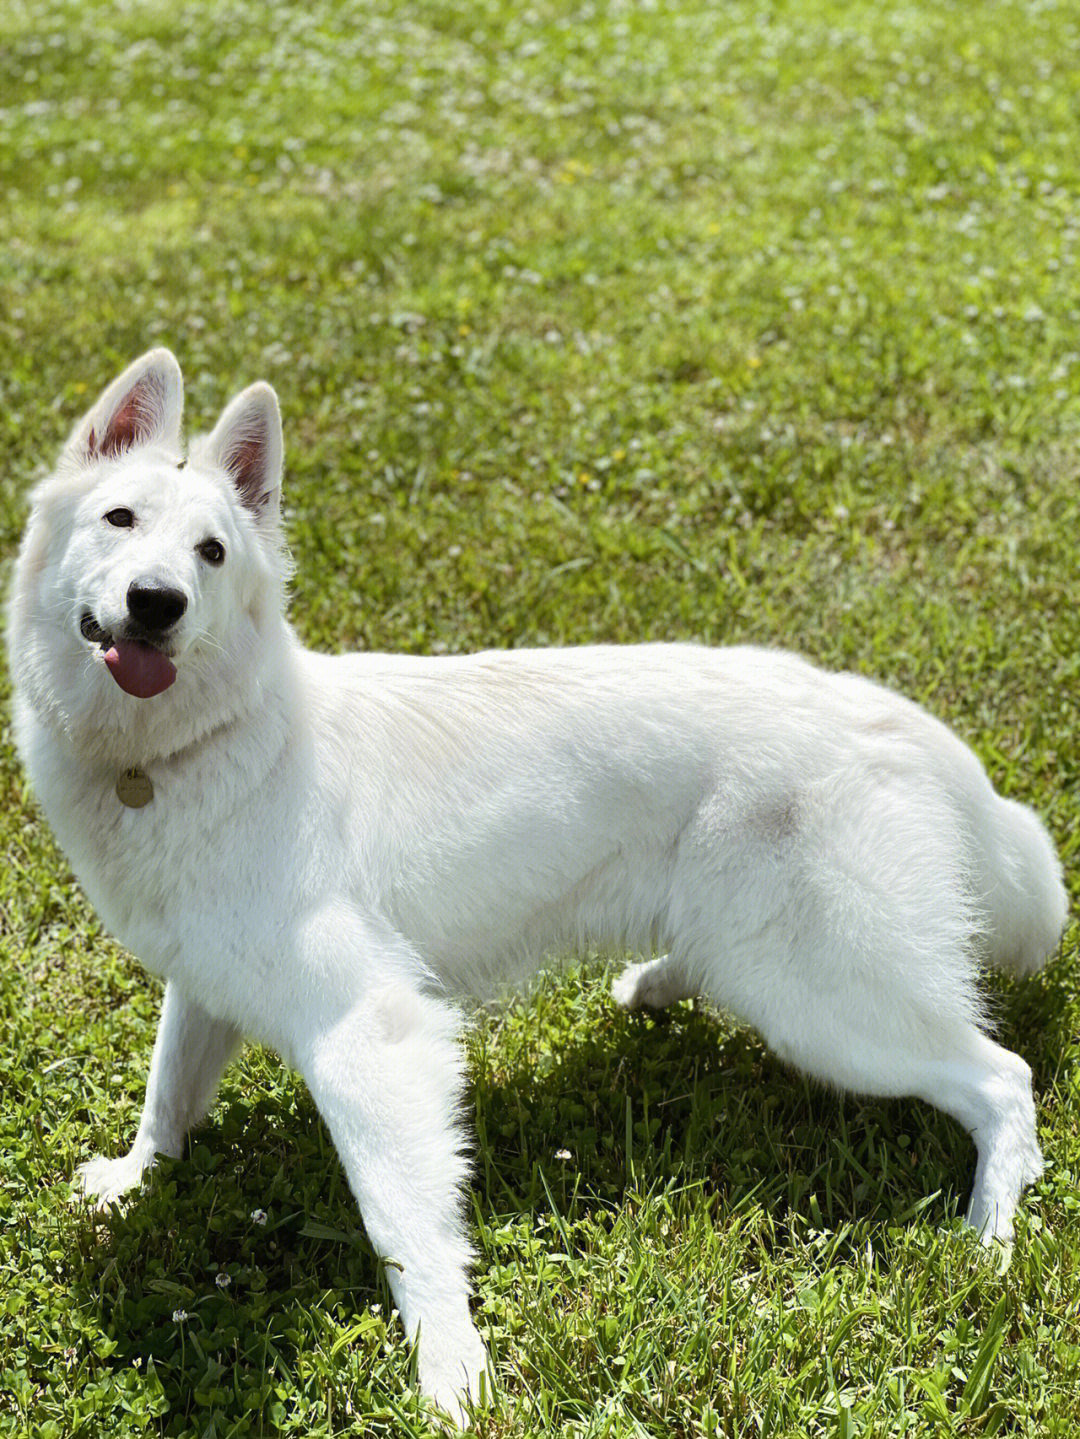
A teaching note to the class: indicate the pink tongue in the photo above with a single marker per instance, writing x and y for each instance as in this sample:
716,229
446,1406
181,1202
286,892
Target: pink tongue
139,669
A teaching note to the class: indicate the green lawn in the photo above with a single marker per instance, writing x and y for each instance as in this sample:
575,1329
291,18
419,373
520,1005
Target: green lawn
617,321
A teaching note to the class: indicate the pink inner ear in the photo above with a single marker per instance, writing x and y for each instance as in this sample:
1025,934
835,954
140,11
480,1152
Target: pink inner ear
247,465
123,429
245,460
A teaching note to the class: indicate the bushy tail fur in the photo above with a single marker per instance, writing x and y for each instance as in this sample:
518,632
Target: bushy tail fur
1019,878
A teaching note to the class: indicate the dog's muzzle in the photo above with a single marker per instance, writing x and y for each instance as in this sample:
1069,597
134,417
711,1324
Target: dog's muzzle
154,608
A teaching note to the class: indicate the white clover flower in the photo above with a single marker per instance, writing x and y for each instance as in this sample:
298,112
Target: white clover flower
179,1315
223,1280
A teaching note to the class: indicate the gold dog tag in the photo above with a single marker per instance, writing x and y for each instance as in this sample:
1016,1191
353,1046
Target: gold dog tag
134,788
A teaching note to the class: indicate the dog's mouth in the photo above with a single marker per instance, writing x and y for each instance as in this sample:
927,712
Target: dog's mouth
137,664
92,631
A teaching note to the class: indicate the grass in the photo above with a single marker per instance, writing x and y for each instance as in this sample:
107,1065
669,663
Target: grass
619,322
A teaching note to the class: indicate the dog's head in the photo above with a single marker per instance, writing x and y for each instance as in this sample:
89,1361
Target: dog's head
147,584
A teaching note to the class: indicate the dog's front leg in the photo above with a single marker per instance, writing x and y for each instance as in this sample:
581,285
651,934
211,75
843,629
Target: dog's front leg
190,1053
387,1079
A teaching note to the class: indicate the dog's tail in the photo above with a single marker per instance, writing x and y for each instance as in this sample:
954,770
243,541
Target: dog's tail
1019,881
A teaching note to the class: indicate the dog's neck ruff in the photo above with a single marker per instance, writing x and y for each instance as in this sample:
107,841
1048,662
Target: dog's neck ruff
135,789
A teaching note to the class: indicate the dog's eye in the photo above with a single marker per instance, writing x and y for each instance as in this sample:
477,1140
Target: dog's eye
212,551
122,519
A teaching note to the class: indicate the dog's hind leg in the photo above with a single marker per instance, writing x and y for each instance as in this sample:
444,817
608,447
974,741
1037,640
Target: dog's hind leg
190,1054
951,1065
386,1077
988,1090
855,950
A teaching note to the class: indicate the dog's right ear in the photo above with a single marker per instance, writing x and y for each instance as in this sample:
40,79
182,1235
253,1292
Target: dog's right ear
143,405
247,444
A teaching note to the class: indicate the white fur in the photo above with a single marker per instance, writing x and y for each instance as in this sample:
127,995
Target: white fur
338,849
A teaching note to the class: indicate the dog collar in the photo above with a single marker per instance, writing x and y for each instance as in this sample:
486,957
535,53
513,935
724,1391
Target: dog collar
134,788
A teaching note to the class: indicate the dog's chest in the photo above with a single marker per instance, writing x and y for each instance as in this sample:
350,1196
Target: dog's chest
134,839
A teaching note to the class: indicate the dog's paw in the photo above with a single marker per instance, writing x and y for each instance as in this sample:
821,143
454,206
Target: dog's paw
455,1385
630,990
103,1181
653,984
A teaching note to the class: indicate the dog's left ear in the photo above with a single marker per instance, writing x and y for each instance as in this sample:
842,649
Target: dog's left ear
142,406
247,444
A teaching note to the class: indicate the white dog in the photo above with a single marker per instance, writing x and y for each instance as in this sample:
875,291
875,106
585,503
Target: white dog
328,853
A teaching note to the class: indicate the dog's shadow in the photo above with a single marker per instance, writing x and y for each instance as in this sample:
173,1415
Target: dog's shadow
587,1109
225,1261
642,1100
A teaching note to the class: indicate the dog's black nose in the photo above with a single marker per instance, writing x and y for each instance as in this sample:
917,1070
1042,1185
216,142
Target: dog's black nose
154,607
